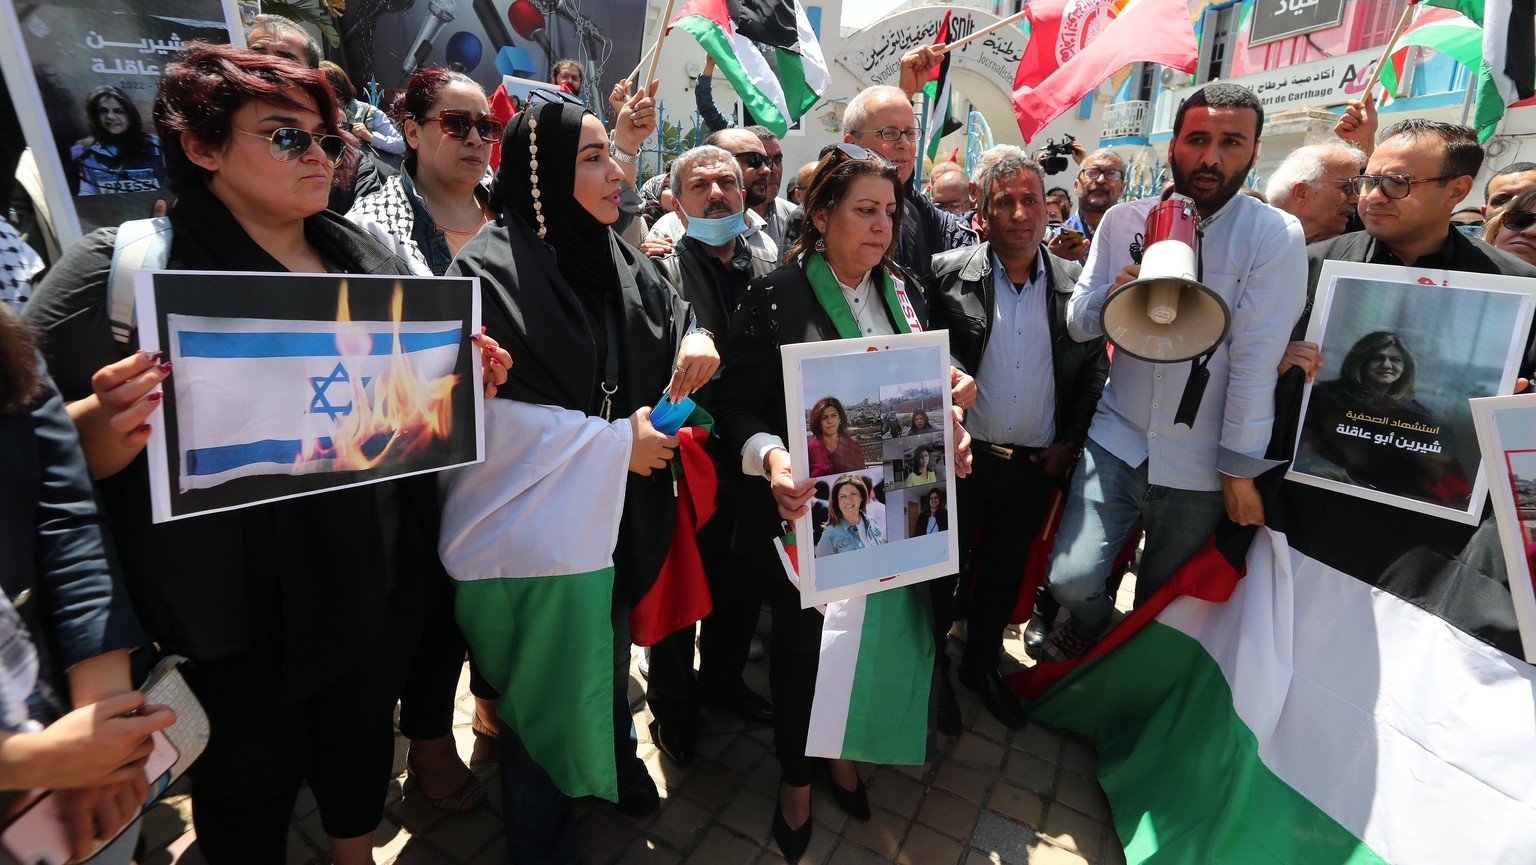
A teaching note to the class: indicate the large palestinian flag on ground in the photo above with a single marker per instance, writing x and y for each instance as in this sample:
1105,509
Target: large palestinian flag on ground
1343,689
776,91
528,536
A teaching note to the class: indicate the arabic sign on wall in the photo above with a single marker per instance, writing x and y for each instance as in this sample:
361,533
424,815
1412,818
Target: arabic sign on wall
1282,19
1322,83
873,55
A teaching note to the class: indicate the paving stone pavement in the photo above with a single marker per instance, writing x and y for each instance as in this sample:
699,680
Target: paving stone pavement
994,795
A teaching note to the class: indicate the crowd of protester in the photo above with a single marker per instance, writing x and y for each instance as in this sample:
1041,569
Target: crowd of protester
301,648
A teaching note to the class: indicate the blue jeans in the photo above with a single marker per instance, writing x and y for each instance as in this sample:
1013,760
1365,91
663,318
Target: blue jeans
1106,498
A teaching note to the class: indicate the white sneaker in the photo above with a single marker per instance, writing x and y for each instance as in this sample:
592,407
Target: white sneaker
645,662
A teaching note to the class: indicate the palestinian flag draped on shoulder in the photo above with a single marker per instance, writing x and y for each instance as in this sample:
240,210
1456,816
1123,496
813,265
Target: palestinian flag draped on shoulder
776,91
529,536
1343,689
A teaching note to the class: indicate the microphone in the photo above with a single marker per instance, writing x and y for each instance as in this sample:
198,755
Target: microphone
528,22
496,31
439,13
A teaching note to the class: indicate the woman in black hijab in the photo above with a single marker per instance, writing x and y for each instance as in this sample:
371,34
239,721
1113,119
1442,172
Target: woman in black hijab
570,301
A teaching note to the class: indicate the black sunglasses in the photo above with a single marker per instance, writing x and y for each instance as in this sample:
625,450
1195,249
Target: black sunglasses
846,151
1518,220
456,124
752,159
288,144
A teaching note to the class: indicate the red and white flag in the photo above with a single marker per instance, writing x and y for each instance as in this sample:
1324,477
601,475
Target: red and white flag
1086,42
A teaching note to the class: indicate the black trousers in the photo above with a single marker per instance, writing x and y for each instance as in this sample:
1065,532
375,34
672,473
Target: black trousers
792,664
426,704
725,635
340,739
1006,501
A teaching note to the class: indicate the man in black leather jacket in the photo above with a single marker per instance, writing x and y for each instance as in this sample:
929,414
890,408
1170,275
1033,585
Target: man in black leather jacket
1004,303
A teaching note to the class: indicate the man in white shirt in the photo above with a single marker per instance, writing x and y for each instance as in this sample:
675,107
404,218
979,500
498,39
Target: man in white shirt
1146,458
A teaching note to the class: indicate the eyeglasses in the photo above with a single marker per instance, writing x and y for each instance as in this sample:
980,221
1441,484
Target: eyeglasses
752,159
1347,186
1391,185
891,133
1110,174
288,144
1518,220
456,125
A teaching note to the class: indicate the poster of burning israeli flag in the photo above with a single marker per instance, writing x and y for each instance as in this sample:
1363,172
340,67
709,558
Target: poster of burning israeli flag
286,385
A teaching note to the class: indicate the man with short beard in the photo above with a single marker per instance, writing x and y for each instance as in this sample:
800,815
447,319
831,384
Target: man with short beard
750,154
1146,459
710,265
775,211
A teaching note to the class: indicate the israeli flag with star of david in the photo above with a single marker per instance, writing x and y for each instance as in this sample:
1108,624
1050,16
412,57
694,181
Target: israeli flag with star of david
250,393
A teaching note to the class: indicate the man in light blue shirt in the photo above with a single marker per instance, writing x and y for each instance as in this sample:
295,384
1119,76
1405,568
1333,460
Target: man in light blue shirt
1180,479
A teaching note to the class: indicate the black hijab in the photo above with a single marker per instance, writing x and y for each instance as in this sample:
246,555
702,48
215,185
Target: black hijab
575,235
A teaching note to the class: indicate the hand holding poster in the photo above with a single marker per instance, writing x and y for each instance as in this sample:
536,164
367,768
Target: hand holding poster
296,384
877,441
1403,350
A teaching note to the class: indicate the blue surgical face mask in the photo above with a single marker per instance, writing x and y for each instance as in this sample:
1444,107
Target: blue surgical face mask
719,230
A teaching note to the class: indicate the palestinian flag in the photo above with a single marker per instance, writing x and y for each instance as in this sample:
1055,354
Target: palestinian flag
1454,30
1339,686
937,90
874,675
528,536
736,32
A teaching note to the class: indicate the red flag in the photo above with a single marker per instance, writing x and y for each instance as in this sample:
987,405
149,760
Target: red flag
680,595
1058,29
1145,31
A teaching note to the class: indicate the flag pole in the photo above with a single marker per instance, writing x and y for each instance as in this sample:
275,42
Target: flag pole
1011,19
638,66
1386,56
666,21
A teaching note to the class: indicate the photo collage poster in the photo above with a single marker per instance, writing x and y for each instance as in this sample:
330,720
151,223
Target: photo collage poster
870,428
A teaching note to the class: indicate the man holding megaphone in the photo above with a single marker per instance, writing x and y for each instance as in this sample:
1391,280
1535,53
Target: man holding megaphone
1199,325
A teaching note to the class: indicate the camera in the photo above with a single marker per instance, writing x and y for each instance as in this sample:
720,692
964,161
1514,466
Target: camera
1053,157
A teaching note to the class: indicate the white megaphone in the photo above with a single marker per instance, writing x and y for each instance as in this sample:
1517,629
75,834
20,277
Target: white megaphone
1166,315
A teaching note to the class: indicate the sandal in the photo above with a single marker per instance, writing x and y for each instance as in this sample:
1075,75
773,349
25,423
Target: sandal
483,727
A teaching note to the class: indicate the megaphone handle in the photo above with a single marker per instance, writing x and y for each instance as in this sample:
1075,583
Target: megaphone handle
1194,389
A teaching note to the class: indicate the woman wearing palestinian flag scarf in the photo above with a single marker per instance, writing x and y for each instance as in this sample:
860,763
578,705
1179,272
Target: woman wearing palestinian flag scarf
839,283
569,520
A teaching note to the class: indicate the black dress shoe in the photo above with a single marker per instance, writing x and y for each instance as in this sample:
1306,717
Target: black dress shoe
996,696
751,706
1034,635
676,741
854,802
949,708
792,842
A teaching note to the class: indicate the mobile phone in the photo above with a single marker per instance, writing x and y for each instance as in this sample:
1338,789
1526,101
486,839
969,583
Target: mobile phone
1071,235
668,417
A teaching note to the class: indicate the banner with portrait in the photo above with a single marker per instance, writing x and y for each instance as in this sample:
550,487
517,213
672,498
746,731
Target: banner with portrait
1403,350
1506,430
868,422
83,75
294,384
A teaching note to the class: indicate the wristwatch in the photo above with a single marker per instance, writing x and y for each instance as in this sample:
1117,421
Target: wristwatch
616,153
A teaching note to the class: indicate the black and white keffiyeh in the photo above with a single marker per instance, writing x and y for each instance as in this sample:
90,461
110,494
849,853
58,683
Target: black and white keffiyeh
18,265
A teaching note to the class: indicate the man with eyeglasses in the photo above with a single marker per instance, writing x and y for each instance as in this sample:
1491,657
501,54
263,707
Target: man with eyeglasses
881,119
1099,185
1313,184
710,266
1158,451
1505,184
1419,173
950,189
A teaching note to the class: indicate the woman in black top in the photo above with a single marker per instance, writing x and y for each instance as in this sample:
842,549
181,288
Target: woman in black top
300,614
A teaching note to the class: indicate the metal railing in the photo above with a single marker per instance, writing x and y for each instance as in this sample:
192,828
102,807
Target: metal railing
670,141
1126,120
